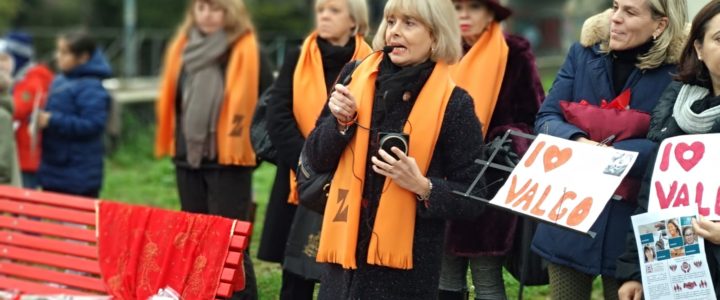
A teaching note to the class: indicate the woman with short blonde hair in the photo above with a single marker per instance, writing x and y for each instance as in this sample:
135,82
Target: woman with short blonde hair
296,100
211,79
358,10
400,137
439,17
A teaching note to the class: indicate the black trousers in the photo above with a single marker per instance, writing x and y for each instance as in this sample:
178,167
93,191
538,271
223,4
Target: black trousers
221,191
295,287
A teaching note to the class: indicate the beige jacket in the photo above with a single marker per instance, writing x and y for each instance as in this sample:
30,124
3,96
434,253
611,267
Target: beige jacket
9,165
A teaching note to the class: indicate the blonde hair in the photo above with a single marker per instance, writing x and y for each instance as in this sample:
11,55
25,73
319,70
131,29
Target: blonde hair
676,13
438,15
358,12
237,18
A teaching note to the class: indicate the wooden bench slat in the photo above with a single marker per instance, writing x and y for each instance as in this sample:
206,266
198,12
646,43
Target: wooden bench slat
54,260
243,228
233,259
228,275
47,212
57,230
224,290
238,243
47,244
34,288
59,200
45,275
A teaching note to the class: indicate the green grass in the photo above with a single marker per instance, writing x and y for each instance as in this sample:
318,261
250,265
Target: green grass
133,175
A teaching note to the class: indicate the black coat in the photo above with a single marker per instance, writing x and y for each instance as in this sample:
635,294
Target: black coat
287,139
452,168
662,126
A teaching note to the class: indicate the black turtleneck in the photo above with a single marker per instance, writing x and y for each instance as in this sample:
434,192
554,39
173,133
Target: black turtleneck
623,64
334,58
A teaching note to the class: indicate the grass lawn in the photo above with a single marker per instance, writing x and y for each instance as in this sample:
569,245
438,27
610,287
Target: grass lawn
134,176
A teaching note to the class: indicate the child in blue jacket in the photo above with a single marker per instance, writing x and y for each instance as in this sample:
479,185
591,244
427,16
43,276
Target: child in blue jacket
74,119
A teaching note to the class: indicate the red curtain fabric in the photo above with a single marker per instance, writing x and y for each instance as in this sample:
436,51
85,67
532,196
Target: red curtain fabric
145,249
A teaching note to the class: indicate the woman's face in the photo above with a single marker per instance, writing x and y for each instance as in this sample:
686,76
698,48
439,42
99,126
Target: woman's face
65,59
7,63
709,50
209,17
474,17
412,40
673,230
632,24
649,254
333,21
689,236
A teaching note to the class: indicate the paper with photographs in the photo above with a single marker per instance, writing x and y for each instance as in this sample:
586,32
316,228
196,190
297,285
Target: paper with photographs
672,257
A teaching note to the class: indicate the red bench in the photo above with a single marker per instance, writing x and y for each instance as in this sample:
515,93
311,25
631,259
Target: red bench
48,246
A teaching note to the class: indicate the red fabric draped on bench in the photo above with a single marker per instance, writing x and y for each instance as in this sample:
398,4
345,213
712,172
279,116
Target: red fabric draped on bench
49,244
145,249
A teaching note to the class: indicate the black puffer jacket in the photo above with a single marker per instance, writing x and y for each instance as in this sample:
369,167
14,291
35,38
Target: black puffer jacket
662,126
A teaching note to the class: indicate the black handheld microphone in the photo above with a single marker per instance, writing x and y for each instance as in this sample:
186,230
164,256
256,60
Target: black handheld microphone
346,79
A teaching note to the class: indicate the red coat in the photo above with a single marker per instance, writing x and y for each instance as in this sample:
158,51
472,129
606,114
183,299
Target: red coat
26,90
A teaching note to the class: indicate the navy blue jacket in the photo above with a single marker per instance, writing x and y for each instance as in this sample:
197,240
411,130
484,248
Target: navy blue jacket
72,157
587,75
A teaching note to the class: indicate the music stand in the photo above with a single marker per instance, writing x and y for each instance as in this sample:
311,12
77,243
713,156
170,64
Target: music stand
525,253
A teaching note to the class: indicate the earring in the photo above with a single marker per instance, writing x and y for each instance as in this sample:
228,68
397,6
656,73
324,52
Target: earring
655,37
699,58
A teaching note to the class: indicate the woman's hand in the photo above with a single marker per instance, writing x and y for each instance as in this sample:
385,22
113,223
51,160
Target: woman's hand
708,230
585,140
630,290
43,119
404,171
342,104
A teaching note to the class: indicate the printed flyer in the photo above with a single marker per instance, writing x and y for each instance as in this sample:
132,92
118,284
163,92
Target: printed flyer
672,257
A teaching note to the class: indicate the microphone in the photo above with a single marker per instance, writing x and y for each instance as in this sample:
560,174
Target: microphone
346,80
388,49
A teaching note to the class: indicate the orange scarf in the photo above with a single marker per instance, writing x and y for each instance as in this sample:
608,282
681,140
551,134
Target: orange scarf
481,72
391,244
241,93
309,91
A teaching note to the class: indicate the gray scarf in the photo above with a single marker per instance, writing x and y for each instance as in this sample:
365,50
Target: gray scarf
689,121
203,90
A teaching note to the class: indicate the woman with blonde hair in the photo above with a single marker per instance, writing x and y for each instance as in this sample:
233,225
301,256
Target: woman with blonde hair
212,77
689,105
297,98
626,58
384,222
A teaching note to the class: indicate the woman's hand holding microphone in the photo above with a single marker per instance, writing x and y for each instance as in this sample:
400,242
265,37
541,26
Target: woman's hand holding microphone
404,170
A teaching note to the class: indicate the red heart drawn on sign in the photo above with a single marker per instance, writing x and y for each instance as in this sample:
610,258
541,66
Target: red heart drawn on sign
555,158
697,149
